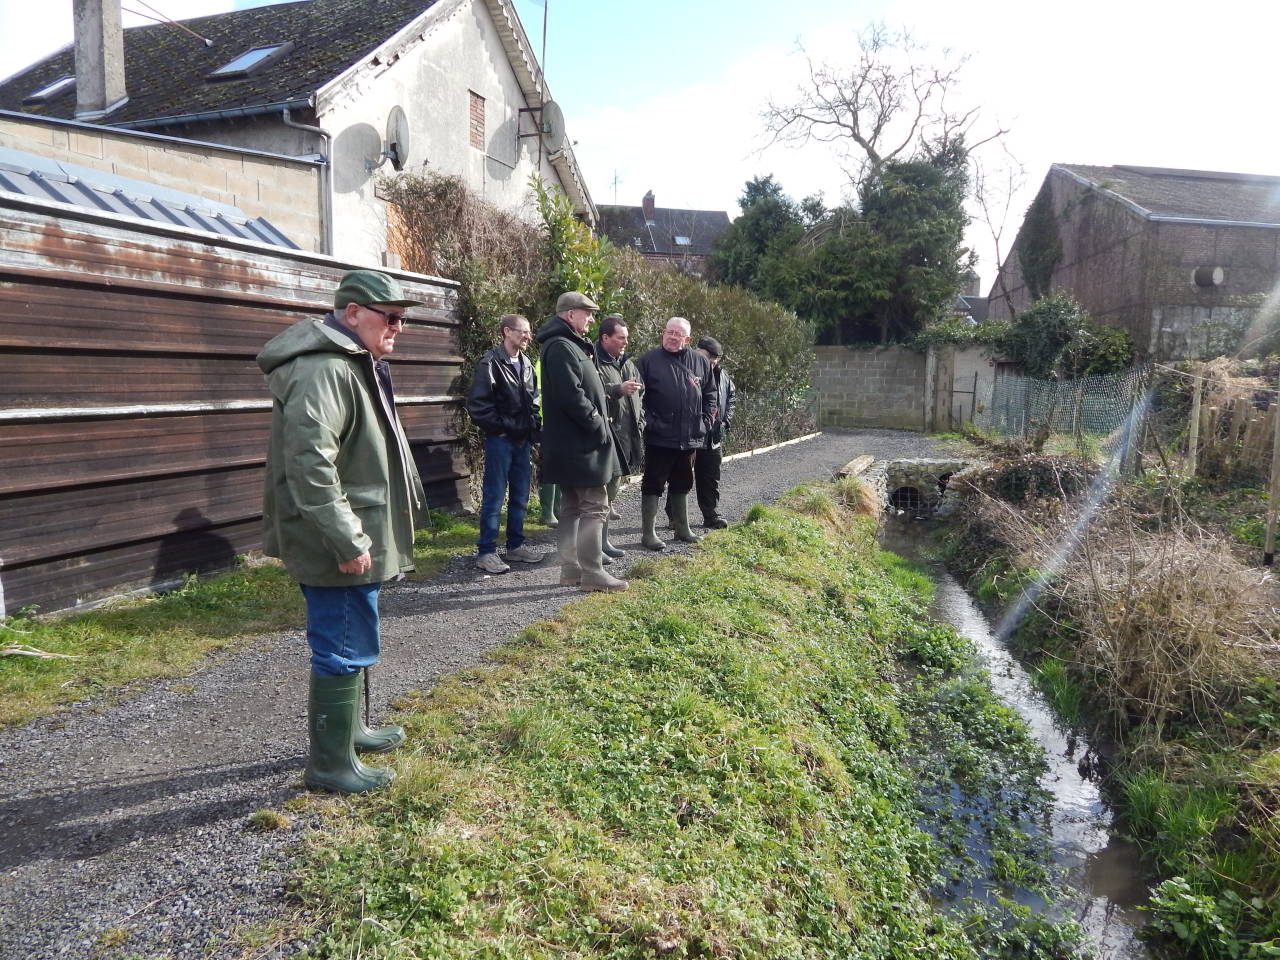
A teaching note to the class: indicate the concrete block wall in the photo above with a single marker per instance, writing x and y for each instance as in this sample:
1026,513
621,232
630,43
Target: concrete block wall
870,387
283,190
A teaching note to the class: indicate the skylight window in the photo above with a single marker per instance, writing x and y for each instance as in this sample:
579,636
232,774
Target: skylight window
683,242
51,90
251,61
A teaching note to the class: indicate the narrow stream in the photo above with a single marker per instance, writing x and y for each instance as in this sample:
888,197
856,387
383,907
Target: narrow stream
1103,870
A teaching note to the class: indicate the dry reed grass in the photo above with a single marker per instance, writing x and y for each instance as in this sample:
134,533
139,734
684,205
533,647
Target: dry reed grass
1169,624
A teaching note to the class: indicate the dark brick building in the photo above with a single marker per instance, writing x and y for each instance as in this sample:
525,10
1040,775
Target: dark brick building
681,239
1184,259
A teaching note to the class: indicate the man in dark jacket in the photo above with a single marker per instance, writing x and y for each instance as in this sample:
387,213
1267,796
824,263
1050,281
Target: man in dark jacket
679,408
706,464
626,413
577,446
338,507
503,403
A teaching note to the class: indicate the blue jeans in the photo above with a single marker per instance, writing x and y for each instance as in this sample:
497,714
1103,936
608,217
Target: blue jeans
342,628
507,472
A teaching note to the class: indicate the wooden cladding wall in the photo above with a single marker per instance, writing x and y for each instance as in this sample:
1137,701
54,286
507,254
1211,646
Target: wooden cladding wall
133,418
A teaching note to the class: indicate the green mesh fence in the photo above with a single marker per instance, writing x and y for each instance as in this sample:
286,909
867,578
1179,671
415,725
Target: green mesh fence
1095,409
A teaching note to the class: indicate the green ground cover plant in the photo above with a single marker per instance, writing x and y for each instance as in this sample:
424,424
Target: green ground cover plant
113,648
737,758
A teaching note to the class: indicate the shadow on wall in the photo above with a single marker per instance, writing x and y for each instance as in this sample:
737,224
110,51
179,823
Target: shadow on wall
191,548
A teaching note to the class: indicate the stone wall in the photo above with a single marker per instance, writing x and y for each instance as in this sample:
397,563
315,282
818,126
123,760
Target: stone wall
284,191
1136,273
870,387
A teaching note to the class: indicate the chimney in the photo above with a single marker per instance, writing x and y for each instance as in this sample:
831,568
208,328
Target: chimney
647,205
99,58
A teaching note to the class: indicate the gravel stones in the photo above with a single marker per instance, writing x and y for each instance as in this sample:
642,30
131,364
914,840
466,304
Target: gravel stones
125,822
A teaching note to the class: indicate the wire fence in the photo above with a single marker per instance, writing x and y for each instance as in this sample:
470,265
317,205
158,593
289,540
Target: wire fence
1095,412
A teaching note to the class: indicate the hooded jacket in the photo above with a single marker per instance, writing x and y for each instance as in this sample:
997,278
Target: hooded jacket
340,477
577,446
679,398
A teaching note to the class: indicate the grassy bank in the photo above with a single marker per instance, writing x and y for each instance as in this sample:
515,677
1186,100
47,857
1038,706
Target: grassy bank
1147,624
761,750
170,635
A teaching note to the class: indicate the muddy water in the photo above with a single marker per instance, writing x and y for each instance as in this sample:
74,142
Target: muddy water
1103,870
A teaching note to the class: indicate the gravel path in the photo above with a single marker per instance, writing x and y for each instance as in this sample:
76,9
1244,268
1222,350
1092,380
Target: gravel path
125,826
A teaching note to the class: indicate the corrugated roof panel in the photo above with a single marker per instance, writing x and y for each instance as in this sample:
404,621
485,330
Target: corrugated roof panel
33,176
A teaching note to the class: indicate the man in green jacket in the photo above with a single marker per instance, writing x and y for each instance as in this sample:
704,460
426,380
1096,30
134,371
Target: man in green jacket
577,446
342,494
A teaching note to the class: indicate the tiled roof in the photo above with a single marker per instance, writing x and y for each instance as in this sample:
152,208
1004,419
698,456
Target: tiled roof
1201,194
626,227
167,69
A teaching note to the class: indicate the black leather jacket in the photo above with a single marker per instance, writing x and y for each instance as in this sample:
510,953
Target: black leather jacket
504,401
727,399
679,398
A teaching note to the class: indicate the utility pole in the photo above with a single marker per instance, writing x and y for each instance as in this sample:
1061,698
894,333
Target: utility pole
615,181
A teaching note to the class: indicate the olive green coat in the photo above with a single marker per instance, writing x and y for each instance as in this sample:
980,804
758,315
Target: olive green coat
340,478
577,445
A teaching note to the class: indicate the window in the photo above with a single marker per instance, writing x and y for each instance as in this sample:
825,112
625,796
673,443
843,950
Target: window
51,90
477,120
251,61
683,242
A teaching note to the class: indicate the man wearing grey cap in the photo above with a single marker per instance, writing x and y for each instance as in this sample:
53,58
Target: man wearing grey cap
577,445
341,497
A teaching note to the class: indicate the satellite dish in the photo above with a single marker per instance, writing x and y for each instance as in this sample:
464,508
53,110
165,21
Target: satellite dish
396,147
553,125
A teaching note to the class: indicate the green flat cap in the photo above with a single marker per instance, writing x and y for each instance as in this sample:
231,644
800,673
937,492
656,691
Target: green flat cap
573,300
370,286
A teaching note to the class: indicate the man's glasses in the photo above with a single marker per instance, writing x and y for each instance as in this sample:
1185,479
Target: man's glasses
393,319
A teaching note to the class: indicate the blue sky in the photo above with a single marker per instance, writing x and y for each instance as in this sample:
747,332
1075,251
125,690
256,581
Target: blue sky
666,95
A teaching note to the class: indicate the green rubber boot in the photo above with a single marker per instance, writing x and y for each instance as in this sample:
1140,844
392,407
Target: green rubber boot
649,504
607,548
378,739
332,717
679,507
548,494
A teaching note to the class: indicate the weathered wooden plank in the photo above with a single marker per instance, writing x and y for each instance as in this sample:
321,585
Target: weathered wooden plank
34,379
65,582
34,315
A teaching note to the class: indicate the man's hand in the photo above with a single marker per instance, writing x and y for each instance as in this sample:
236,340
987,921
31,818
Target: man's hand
629,388
359,565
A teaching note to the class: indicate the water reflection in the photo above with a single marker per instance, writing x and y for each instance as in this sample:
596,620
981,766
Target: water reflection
1103,870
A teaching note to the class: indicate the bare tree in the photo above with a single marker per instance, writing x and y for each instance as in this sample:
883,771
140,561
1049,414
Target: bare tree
994,187
888,104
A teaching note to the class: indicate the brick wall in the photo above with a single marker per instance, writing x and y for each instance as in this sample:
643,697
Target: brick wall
870,387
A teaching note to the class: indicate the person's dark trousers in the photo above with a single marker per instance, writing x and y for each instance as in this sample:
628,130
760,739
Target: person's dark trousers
706,480
664,466
507,470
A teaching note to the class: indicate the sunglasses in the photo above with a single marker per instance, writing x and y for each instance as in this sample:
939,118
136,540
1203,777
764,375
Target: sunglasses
393,319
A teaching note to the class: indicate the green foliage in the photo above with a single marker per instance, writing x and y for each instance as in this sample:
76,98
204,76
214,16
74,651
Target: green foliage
1206,925
1039,245
579,260
166,635
755,250
1055,339
961,332
768,349
877,272
713,763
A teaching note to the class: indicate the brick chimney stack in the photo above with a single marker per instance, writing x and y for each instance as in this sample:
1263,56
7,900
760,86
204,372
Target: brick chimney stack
648,206
99,40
